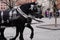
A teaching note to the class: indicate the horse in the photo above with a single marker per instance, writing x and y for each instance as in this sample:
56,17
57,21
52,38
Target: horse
26,9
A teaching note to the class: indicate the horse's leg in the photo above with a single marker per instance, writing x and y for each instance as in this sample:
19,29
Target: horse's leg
17,33
32,33
21,33
29,26
21,36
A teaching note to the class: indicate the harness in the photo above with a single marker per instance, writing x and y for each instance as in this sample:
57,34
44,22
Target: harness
22,13
26,9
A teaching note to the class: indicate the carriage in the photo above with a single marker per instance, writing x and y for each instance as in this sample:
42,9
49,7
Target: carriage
16,17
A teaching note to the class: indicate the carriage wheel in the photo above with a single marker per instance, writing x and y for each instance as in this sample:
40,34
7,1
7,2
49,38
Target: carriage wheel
10,33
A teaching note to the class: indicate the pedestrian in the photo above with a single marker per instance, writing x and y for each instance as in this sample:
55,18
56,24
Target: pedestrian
51,12
59,12
47,12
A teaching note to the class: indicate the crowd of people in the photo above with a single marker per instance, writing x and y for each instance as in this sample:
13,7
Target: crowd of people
50,13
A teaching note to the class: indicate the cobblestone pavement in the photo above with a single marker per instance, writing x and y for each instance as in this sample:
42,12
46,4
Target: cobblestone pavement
42,34
50,24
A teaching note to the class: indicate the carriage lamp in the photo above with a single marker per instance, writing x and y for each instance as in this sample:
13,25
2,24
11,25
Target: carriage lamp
14,14
2,17
7,21
10,14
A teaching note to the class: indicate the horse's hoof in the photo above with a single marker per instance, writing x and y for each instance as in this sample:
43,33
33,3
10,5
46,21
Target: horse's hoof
31,38
21,38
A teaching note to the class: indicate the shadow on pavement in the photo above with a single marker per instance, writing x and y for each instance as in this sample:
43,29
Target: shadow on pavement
49,27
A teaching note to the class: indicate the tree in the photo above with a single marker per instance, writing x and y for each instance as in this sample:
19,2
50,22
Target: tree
10,3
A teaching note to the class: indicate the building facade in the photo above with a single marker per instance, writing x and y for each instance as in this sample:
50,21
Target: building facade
3,6
45,3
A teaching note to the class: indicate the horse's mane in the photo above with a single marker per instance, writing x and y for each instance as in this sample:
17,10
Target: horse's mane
26,7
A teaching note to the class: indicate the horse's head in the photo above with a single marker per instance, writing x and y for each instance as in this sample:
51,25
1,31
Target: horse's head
36,11
30,8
